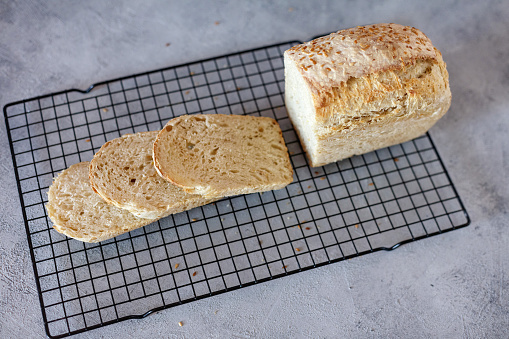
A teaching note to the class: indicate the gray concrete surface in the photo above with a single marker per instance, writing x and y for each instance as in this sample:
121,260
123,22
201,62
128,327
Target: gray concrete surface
454,285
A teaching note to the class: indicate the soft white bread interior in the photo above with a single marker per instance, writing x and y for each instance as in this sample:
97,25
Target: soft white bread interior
364,88
218,155
79,213
122,172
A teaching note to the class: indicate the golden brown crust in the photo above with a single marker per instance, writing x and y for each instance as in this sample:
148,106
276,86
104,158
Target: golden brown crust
364,88
329,61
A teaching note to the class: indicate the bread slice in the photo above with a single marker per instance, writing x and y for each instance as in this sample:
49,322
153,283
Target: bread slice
364,88
123,174
218,155
79,213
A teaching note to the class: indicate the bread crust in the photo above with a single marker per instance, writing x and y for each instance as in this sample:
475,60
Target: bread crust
329,61
359,82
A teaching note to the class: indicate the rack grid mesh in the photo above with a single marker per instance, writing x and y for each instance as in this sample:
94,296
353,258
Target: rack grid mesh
357,206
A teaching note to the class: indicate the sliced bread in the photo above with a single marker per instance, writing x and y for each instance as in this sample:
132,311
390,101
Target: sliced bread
79,213
122,173
218,155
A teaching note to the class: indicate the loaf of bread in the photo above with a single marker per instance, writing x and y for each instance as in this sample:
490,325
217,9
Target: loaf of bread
218,155
122,172
79,213
362,89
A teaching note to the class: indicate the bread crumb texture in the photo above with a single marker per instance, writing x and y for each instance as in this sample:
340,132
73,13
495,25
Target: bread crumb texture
122,173
78,212
220,155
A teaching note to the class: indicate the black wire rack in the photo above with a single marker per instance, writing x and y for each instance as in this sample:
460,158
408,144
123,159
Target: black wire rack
367,203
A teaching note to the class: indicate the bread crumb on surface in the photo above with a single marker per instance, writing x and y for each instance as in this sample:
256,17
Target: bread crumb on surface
194,219
356,225
88,140
216,23
370,184
396,159
181,323
195,273
177,266
105,109
290,9
167,44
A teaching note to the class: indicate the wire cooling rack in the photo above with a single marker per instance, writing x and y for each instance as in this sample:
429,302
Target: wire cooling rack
357,206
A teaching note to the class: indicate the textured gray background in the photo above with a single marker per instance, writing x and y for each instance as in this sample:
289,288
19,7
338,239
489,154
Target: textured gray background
454,285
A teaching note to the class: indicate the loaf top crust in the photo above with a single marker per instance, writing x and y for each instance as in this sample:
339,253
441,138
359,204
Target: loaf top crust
331,60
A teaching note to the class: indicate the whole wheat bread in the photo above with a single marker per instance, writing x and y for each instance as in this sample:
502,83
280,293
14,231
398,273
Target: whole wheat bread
218,155
122,173
79,213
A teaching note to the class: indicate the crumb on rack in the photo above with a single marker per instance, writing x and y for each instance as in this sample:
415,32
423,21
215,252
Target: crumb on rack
105,109
356,225
195,273
181,323
297,249
322,178
310,186
168,44
370,184
177,266
194,219
191,73
308,228
239,88
396,159
88,140
216,23
290,9
186,92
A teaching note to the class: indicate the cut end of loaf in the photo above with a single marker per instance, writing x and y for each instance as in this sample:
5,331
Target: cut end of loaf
223,155
362,89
